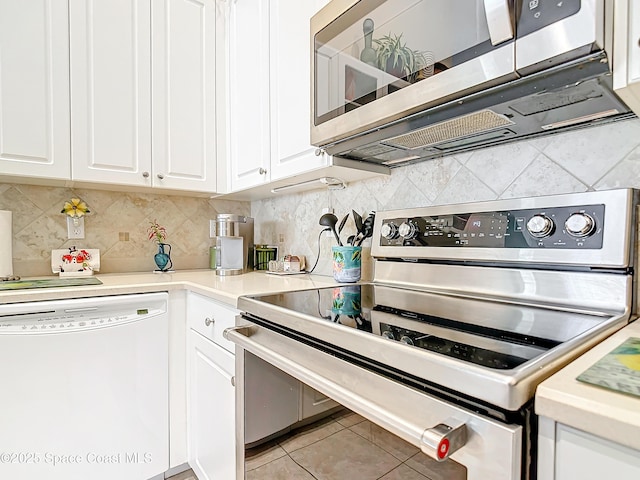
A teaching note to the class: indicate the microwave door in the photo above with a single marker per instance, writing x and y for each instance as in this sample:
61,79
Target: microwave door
464,52
552,33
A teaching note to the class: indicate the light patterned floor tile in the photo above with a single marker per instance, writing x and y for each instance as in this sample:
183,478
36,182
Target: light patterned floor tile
310,434
345,455
387,441
347,418
262,455
434,470
281,469
403,473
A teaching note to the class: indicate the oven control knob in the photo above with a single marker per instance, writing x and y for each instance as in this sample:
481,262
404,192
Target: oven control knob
580,225
407,230
389,231
388,334
540,226
406,340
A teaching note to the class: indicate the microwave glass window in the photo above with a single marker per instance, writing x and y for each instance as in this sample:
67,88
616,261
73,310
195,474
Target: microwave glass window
379,47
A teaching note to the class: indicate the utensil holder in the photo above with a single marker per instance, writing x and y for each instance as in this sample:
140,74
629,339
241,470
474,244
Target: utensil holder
347,263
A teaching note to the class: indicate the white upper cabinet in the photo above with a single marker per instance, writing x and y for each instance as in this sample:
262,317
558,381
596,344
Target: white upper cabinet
268,111
121,52
184,88
290,57
111,91
34,89
248,93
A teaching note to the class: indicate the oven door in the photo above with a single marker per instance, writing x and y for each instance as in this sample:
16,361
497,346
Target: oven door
373,423
375,61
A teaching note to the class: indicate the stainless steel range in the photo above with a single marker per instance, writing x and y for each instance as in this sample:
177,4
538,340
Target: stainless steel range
471,306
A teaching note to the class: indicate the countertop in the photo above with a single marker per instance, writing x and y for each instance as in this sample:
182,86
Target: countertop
225,289
596,410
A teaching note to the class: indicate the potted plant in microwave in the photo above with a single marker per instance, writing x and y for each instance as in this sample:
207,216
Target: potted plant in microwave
395,58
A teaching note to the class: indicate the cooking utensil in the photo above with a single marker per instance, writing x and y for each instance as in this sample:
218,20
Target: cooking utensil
358,221
330,220
367,228
342,222
351,239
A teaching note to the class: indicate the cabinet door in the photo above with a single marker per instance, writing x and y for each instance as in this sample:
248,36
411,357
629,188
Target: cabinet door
111,91
580,455
184,109
34,89
211,410
312,402
290,49
248,86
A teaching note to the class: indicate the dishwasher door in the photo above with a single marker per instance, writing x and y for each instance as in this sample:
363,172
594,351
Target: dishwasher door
84,389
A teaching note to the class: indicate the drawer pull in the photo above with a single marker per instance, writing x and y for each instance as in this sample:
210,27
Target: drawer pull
233,381
209,321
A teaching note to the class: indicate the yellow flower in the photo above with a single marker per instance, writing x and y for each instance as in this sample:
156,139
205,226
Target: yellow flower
75,208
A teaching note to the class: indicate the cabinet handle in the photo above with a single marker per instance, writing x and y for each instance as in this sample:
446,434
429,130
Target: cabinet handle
233,381
262,171
160,176
145,174
209,321
317,152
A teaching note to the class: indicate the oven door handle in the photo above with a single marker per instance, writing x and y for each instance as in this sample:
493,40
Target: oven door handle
445,438
437,442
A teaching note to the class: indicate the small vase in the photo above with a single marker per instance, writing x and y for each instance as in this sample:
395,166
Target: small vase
163,257
368,54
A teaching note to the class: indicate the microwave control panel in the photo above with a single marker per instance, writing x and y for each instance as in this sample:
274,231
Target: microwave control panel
574,227
537,14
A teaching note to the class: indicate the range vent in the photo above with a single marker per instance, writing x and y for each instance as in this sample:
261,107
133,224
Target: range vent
460,127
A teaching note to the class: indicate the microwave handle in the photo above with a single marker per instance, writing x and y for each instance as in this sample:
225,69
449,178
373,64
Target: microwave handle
499,20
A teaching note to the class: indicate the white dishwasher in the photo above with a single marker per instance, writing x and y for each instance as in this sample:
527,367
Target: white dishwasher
84,388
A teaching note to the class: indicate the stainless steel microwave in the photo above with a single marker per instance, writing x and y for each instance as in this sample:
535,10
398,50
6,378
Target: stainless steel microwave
395,81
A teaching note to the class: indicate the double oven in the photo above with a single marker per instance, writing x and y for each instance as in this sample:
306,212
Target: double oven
470,308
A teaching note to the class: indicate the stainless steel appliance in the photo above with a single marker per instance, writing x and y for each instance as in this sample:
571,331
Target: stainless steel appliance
471,306
233,244
396,81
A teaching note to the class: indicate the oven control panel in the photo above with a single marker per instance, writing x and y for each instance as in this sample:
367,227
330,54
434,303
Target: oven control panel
576,227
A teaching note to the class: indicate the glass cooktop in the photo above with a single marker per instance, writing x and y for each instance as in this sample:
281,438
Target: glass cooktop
490,333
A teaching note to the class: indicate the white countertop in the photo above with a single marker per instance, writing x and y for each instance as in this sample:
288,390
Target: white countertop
602,412
225,289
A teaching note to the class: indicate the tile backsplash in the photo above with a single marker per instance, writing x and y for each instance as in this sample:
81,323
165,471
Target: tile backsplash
117,225
595,158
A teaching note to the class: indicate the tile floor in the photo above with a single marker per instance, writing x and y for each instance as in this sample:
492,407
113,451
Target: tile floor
342,446
345,446
187,475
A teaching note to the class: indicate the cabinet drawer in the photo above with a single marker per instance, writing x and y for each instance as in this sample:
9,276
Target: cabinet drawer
210,318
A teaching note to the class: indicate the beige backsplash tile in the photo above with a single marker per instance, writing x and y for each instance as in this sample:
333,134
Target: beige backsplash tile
39,227
588,159
607,156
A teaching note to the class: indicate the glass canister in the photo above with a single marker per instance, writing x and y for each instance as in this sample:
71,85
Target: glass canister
263,255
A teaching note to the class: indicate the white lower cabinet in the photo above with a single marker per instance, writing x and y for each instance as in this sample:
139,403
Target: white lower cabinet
566,453
210,389
211,427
